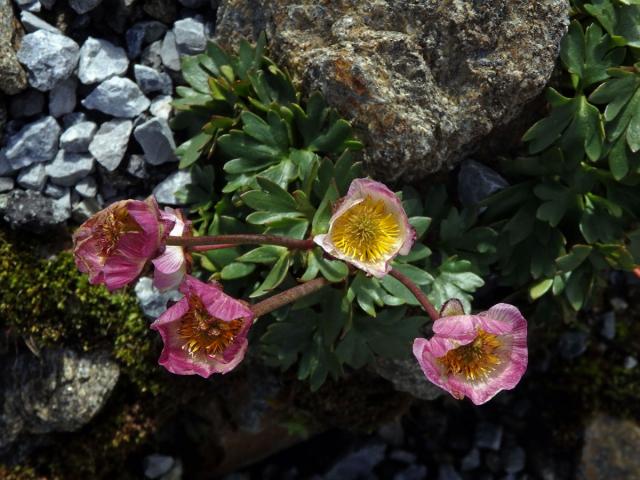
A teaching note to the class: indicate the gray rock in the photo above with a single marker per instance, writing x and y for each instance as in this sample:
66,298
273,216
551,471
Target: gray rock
84,209
6,184
26,104
163,10
608,329
423,84
477,181
156,139
55,191
68,168
84,6
31,23
35,142
151,80
447,472
618,304
62,99
165,191
488,435
153,302
630,362
33,177
29,5
193,3
71,119
59,392
99,60
30,210
48,57
13,78
471,460
392,433
573,344
156,465
403,456
143,33
514,459
161,107
3,118
48,4
190,36
119,97
169,52
77,137
413,472
358,464
87,187
110,143
137,167
151,56
62,206
407,376
5,166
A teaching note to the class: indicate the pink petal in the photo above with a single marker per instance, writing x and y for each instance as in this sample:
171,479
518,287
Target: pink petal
170,268
119,271
460,327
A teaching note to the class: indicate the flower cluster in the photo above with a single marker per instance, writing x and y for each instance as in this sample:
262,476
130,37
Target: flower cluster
205,332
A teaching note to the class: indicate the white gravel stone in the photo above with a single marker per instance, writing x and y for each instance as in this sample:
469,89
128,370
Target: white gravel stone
161,107
190,36
87,187
150,80
48,57
33,177
55,191
29,5
84,209
6,184
156,139
73,118
69,168
110,143
165,191
84,6
26,104
99,60
143,33
5,166
31,23
62,98
193,3
77,137
36,142
169,52
118,97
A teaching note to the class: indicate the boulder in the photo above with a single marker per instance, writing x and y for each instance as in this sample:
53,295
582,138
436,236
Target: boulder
13,78
422,83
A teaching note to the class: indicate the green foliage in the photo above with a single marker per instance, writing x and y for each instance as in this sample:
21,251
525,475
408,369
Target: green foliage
48,302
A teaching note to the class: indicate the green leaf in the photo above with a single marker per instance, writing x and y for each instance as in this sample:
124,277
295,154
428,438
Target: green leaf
578,287
320,223
236,144
455,279
540,288
189,152
573,259
275,277
333,270
266,254
367,292
421,224
194,74
333,140
236,270
620,21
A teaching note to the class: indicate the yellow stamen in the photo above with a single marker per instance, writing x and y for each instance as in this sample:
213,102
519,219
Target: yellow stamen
476,360
203,332
367,232
112,226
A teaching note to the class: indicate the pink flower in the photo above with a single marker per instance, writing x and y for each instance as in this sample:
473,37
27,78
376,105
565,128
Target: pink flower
205,332
115,244
172,265
476,355
369,228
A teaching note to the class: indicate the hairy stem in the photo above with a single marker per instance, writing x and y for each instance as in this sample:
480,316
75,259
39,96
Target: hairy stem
214,241
288,296
419,294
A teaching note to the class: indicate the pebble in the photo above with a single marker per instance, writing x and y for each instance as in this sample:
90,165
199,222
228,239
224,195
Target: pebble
48,4
77,137
488,435
477,181
392,433
608,329
26,104
119,97
48,57
68,168
156,139
190,37
29,5
84,209
169,52
6,184
31,210
573,344
357,464
110,143
403,456
143,33
153,302
73,118
33,177
87,187
513,459
447,472
151,55
31,23
137,167
5,166
161,107
471,460
84,6
151,80
193,3
34,143
99,60
62,99
619,304
165,191
630,362
413,472
156,465
55,191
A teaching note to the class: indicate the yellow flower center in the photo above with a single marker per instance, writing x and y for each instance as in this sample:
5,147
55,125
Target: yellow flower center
476,360
367,232
203,332
112,226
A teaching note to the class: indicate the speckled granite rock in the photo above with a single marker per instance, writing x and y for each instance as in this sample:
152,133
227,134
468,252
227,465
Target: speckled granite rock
424,82
406,376
13,78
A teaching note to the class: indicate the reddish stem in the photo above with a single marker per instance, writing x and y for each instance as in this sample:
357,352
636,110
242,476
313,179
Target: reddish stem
240,239
288,296
419,294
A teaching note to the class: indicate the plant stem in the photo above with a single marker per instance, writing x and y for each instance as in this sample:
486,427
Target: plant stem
240,239
419,294
288,296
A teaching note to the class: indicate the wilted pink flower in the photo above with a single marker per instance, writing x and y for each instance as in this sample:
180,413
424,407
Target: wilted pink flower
369,228
172,265
114,245
476,355
205,332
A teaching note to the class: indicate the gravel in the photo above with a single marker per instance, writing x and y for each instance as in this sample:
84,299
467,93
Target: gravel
68,168
26,104
31,23
48,57
118,97
87,187
161,107
6,184
77,137
156,140
34,143
189,36
165,191
143,33
33,177
100,60
150,80
84,6
169,52
62,99
110,143
55,191
488,435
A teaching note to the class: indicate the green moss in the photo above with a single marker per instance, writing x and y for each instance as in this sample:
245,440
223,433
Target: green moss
48,302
